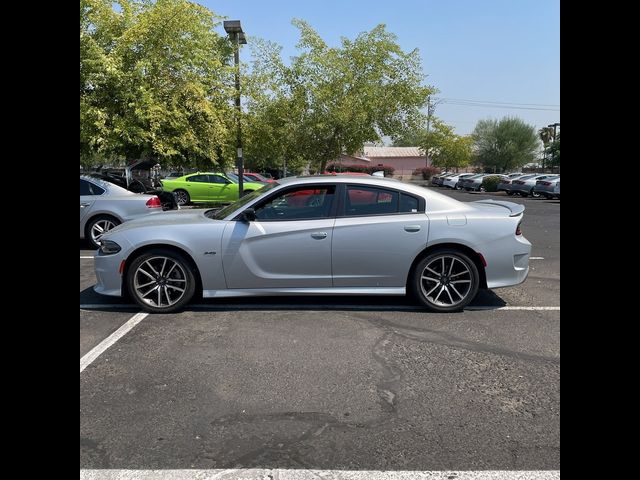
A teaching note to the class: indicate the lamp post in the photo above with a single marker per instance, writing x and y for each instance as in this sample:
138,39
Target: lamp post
234,30
553,156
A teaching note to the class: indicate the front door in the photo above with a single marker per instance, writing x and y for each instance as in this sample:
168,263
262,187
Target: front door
287,246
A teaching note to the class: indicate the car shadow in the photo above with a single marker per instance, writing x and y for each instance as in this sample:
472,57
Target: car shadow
485,298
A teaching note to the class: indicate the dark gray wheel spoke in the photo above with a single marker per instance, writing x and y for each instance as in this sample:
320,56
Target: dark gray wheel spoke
457,292
430,279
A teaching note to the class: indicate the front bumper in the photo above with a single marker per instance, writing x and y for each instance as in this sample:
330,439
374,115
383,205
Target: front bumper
109,279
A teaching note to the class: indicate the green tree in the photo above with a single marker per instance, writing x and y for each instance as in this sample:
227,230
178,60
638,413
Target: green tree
155,82
332,100
506,144
554,152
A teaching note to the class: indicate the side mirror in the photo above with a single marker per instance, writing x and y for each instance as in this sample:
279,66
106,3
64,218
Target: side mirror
249,215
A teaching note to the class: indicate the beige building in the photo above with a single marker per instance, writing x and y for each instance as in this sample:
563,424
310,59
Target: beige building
404,159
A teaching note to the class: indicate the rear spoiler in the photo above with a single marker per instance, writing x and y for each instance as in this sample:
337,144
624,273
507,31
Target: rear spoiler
515,208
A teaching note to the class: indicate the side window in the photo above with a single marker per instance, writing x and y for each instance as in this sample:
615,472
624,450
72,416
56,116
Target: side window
301,203
88,188
85,187
408,203
198,178
363,200
217,179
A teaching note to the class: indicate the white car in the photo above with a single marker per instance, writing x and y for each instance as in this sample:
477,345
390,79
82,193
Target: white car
103,205
319,235
452,181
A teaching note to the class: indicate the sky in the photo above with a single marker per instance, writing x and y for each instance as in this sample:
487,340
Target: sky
505,53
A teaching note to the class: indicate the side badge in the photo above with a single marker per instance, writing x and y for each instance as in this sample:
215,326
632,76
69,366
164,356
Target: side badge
209,253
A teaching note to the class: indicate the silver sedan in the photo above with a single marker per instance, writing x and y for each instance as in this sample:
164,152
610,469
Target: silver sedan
323,235
104,205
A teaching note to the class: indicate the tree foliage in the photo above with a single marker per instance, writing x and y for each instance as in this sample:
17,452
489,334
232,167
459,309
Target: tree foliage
155,81
553,152
330,100
506,144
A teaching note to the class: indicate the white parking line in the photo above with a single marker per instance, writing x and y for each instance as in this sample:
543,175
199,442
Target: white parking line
220,306
536,258
297,474
110,340
84,256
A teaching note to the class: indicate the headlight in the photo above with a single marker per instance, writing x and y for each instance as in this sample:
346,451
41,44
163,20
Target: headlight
108,247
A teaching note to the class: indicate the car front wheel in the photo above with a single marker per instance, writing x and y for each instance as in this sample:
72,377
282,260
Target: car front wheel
161,281
446,281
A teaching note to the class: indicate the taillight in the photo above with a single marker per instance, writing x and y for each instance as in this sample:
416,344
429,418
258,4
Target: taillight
518,229
507,182
546,184
154,202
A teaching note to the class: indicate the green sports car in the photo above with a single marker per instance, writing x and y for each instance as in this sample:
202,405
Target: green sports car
206,187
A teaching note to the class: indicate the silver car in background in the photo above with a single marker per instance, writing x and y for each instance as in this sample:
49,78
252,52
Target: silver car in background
322,235
525,185
505,184
452,181
104,205
546,186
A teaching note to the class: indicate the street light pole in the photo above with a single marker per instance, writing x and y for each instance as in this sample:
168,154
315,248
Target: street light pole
553,156
233,28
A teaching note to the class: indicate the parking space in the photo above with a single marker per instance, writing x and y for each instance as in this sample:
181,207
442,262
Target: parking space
350,383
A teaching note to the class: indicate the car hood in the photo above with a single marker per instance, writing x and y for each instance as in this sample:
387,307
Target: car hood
165,219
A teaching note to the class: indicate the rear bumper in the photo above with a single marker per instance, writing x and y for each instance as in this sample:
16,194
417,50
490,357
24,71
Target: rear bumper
508,270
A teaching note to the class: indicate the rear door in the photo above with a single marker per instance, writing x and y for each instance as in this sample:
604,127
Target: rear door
88,193
220,188
376,236
287,246
198,187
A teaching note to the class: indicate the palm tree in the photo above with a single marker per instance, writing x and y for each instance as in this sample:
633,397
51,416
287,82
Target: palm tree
546,135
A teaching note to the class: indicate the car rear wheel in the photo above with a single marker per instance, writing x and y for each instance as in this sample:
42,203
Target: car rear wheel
98,226
534,194
182,197
445,281
161,281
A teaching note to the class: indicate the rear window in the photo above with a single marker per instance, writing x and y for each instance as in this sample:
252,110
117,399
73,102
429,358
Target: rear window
88,188
363,201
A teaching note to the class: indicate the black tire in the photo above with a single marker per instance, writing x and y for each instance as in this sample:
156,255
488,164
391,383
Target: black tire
106,222
463,269
534,194
510,193
182,196
153,262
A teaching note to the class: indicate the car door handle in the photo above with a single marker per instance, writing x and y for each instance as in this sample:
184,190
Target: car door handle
84,205
319,235
412,228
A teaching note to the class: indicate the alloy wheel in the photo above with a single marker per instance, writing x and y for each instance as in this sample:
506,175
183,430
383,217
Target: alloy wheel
446,281
160,281
99,228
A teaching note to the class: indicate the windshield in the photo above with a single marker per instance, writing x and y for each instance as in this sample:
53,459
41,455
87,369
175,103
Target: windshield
225,211
235,179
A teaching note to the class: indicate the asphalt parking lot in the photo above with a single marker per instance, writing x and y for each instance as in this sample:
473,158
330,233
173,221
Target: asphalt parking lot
353,384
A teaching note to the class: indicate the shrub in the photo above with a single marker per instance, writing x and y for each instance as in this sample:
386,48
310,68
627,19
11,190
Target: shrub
387,169
426,172
490,183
